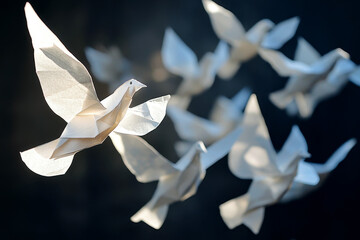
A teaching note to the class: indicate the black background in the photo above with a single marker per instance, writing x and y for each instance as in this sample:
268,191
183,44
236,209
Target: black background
98,195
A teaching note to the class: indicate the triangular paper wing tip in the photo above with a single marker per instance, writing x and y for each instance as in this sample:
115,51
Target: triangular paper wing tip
28,7
296,19
152,217
252,105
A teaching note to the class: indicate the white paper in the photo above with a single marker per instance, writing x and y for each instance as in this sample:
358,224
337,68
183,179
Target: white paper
180,60
253,157
69,91
225,115
312,78
178,181
245,45
109,66
299,189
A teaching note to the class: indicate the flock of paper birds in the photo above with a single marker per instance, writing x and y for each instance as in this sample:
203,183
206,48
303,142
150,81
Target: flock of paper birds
242,134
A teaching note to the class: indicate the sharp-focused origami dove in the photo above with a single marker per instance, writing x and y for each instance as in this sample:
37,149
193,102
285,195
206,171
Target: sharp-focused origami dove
298,189
253,157
177,182
224,117
70,93
180,60
109,66
312,78
245,45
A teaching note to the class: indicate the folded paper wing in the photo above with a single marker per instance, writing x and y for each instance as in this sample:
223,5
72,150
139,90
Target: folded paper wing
224,22
280,33
109,66
177,57
301,188
253,146
295,146
144,118
193,128
337,157
306,53
283,65
256,33
141,158
66,84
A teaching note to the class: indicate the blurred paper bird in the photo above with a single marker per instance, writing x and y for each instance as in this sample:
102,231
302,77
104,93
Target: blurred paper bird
253,157
177,182
180,60
298,189
312,78
245,45
109,66
225,116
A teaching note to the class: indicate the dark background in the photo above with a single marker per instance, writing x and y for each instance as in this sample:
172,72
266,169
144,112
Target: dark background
98,195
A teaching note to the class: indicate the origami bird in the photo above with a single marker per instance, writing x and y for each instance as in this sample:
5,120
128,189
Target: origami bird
245,45
109,66
70,93
180,60
253,157
177,182
298,189
312,78
225,116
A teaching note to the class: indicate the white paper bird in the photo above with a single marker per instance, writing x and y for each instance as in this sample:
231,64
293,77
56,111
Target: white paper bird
109,66
298,189
180,60
177,182
312,78
245,45
70,93
253,157
225,115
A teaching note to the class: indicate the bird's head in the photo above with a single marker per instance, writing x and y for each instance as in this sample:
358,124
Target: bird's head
134,86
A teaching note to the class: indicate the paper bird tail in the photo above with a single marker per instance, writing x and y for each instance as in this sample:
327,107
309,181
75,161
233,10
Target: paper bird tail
235,213
228,70
154,217
39,160
281,98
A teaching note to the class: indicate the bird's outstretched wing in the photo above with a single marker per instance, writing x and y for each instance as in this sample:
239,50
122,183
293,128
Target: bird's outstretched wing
178,58
224,22
66,84
281,33
141,158
143,118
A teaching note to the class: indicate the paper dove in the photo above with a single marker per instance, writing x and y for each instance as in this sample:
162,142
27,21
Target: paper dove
177,182
312,78
245,45
224,117
109,66
253,157
70,93
180,60
298,189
